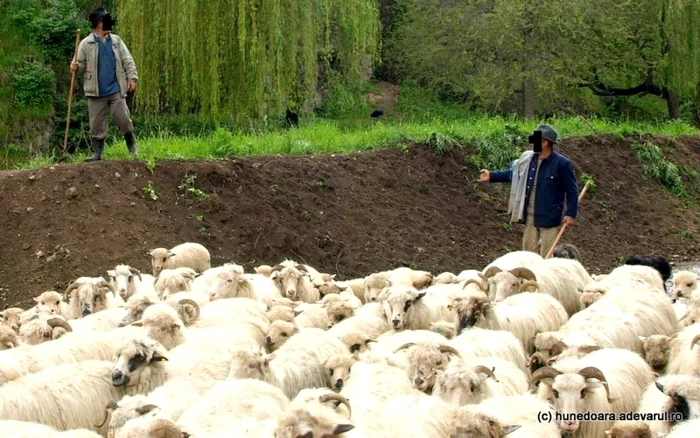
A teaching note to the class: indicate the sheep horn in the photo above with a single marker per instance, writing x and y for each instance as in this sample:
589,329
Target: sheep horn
539,356
108,285
485,370
695,340
135,272
192,303
162,428
527,284
337,397
481,284
58,322
558,348
449,349
490,272
595,373
410,344
69,289
302,268
543,373
111,406
523,273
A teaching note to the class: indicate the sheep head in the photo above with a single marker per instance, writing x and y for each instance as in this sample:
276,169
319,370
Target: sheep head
159,259
49,302
685,283
11,318
290,280
43,327
135,306
629,429
8,338
338,368
279,333
657,350
123,278
502,284
471,423
461,384
338,311
281,313
425,361
398,304
472,310
568,391
445,278
316,416
374,284
135,361
250,364
356,341
88,295
163,324
682,403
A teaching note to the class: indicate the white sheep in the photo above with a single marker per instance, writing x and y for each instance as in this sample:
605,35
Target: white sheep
477,342
129,281
8,338
279,333
515,259
313,414
471,382
318,315
224,412
293,282
369,319
407,308
685,284
676,395
88,295
657,351
685,352
43,327
51,302
524,314
11,318
24,429
186,255
378,281
629,279
171,281
424,361
560,278
356,341
609,381
231,284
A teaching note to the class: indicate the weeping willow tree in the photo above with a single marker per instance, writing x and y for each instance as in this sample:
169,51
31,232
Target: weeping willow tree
244,57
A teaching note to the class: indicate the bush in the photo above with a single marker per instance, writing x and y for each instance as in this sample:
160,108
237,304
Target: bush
33,85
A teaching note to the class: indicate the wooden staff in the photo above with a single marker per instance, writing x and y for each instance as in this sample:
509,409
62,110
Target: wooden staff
561,232
70,94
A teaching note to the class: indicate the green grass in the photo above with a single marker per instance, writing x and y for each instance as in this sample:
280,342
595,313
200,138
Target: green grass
497,139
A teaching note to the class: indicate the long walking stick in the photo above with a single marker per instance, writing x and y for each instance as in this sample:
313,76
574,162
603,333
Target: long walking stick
563,228
70,94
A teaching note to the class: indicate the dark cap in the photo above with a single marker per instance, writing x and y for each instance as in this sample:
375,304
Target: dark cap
96,16
548,133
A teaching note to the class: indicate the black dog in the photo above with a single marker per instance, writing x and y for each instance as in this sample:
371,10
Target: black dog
659,263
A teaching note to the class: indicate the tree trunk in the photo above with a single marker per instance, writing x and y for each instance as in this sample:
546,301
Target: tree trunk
674,110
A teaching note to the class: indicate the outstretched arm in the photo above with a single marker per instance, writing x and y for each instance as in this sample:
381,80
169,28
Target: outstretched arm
571,188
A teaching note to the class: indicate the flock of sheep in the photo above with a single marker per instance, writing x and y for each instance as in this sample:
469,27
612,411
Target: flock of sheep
192,350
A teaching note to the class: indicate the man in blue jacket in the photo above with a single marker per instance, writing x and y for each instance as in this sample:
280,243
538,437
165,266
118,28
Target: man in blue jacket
540,182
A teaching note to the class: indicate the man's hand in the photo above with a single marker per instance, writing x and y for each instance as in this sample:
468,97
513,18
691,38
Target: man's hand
569,221
131,86
74,66
485,176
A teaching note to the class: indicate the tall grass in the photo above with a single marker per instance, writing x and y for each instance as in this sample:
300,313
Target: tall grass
496,139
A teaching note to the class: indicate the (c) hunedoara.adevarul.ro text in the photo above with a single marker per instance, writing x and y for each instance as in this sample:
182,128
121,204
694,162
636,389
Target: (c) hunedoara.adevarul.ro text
547,417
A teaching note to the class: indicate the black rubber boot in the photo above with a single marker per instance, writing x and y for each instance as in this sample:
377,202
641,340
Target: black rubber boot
97,147
131,143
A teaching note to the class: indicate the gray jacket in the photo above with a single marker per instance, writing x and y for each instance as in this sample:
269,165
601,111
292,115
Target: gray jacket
87,58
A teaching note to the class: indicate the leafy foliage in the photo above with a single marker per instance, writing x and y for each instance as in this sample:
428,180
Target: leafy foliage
658,168
33,85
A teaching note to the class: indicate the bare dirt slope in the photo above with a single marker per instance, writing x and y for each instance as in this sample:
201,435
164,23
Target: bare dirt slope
346,214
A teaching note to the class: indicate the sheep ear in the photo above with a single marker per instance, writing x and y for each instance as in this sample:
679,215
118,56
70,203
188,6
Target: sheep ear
111,273
170,254
142,410
174,327
36,299
149,253
342,428
137,323
420,295
511,428
642,338
158,358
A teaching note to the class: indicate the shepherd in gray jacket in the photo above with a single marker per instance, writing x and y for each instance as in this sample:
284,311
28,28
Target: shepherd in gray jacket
109,73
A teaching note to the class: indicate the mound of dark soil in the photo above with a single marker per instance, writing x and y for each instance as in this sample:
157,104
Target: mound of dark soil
346,214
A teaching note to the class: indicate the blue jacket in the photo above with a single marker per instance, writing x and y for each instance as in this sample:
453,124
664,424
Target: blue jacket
555,181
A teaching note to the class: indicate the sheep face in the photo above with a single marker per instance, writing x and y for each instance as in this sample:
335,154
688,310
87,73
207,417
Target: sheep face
503,285
162,324
122,415
123,278
313,420
225,285
471,310
629,429
289,280
657,350
569,393
467,424
445,278
11,318
684,284
8,338
159,259
461,385
88,295
49,302
249,364
425,361
338,368
135,306
279,333
682,399
398,304
356,341
338,311
132,365
373,286
172,281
